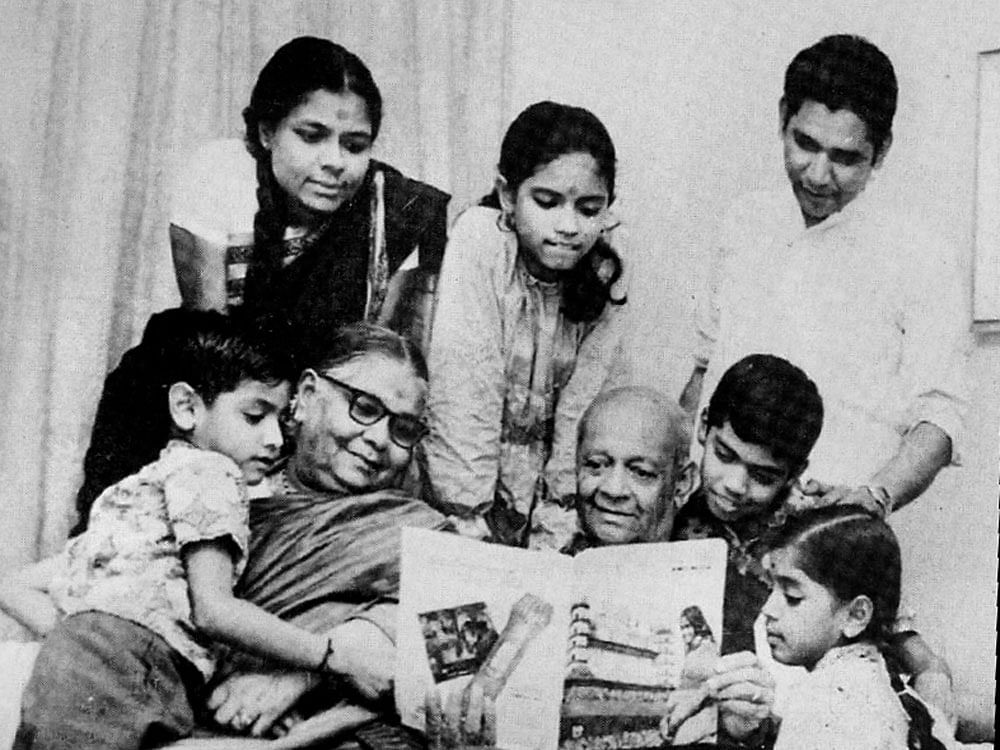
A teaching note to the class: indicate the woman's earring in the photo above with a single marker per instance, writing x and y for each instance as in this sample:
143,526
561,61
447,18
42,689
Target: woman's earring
505,221
292,412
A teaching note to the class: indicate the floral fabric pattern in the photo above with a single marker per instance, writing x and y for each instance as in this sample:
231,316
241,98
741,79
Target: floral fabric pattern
128,563
510,378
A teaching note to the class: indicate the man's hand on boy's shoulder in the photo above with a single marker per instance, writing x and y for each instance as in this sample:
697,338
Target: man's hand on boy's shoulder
814,494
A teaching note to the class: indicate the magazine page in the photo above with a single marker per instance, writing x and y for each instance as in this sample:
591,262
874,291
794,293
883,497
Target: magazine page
645,627
499,615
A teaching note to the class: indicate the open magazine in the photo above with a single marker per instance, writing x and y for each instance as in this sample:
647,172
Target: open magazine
577,652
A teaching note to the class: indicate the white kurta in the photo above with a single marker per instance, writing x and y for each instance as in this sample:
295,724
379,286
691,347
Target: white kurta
868,302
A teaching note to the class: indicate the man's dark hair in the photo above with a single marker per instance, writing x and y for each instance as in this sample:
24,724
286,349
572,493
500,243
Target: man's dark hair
772,403
845,72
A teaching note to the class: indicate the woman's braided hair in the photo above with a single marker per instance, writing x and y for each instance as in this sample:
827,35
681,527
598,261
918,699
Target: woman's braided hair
297,69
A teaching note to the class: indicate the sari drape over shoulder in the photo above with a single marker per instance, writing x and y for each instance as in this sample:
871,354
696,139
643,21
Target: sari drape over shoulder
321,559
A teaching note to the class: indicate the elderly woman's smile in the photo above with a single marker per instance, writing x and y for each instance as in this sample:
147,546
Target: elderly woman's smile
335,450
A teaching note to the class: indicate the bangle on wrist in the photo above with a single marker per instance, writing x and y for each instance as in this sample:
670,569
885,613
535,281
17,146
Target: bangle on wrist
881,497
322,666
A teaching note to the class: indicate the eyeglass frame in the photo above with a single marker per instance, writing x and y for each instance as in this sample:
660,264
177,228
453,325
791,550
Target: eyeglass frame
356,393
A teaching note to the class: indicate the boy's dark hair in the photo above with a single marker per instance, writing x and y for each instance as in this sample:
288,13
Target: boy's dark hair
845,72
850,552
220,351
768,401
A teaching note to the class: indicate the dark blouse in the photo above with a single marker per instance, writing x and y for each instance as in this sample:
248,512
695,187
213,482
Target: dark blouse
325,286
746,583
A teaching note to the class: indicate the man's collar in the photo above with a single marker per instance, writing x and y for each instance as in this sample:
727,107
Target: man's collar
748,529
856,208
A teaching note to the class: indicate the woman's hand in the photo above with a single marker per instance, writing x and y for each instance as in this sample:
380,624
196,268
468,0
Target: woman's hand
468,719
744,692
251,703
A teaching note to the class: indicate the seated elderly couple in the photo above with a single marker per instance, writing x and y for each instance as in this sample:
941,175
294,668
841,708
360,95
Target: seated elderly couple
301,584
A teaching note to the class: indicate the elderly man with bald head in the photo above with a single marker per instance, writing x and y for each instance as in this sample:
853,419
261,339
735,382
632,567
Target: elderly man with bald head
630,469
631,451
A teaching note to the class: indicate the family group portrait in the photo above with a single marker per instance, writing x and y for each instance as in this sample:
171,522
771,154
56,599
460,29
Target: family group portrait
523,374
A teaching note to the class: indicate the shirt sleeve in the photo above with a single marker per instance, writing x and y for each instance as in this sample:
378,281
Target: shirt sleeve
467,370
206,499
719,262
213,191
936,343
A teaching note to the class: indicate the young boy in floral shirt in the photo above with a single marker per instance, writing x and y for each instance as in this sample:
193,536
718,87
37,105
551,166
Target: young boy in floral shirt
134,605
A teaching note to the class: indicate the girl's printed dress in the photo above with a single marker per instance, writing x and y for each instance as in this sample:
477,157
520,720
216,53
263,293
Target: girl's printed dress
510,378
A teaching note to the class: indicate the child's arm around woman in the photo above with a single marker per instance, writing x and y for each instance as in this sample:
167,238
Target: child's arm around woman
24,596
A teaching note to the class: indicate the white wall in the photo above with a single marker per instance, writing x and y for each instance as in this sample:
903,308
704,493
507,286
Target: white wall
689,91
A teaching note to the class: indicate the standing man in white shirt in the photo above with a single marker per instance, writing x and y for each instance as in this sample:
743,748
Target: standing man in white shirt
860,295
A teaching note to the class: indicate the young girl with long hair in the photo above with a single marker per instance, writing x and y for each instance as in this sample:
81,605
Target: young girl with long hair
524,330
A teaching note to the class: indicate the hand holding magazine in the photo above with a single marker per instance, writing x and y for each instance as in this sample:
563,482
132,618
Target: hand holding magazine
606,649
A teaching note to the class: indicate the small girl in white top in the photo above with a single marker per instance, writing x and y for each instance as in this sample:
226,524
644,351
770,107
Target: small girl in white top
836,580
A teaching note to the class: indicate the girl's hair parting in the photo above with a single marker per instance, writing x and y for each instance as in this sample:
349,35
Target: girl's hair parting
297,69
850,552
540,134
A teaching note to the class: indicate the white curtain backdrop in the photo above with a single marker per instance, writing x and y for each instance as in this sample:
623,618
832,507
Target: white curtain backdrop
100,99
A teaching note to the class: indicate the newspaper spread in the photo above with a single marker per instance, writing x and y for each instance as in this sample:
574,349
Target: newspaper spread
577,652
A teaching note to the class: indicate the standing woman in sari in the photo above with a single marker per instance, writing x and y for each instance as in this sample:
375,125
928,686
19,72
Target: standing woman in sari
298,217
296,221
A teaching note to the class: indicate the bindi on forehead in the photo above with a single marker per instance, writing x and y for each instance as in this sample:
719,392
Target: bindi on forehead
574,175
322,106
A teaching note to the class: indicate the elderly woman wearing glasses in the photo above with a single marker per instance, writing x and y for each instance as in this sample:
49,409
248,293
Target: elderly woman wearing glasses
325,546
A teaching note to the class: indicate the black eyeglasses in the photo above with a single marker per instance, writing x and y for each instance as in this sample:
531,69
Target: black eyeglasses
405,430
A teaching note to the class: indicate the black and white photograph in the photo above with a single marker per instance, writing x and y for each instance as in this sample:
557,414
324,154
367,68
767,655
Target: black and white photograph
458,639
513,373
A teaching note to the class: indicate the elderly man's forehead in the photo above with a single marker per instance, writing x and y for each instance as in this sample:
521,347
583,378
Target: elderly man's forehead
644,416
